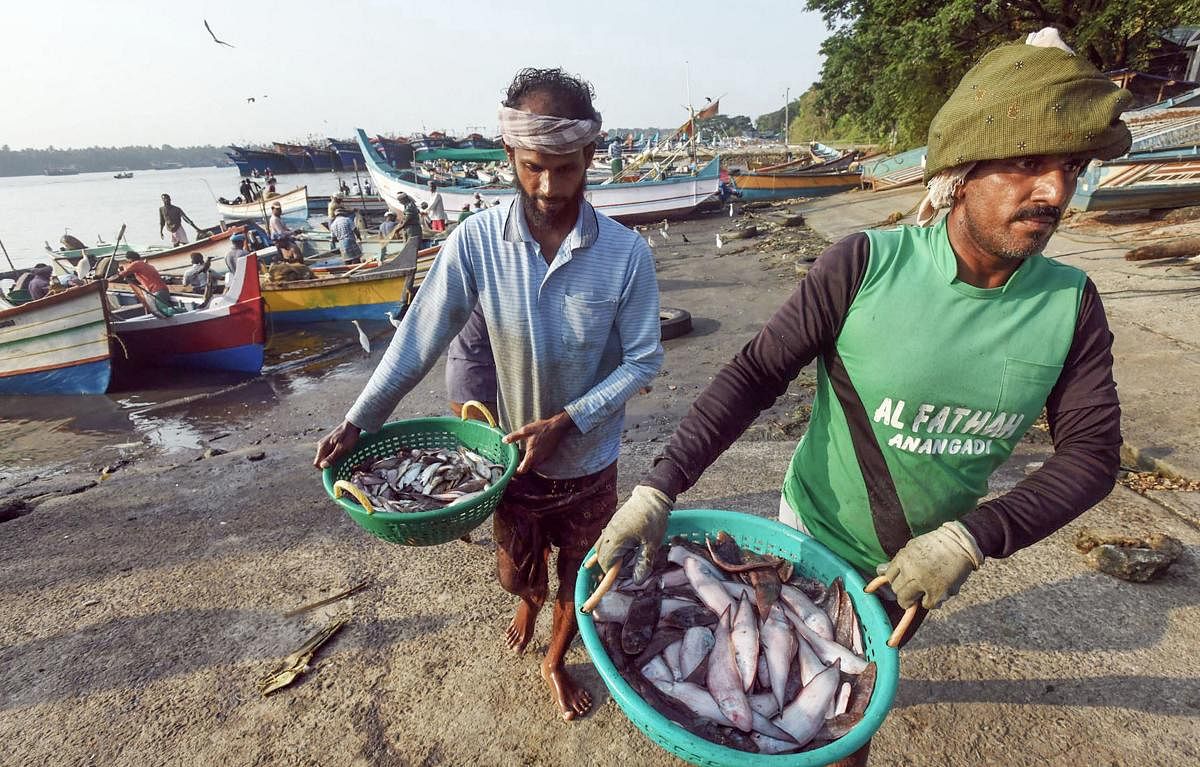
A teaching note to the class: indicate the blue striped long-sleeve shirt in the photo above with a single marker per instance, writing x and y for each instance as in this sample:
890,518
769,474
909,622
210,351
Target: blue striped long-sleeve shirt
579,334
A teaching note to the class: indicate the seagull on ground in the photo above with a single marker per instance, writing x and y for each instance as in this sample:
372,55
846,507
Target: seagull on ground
731,210
719,243
649,241
685,239
363,341
214,36
392,318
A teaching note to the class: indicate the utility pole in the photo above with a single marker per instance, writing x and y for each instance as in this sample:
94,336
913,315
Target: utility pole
787,152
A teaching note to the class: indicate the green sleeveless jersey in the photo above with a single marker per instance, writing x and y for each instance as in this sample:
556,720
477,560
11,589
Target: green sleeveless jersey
926,390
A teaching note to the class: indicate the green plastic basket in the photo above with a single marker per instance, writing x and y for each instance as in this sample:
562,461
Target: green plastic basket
426,528
765,536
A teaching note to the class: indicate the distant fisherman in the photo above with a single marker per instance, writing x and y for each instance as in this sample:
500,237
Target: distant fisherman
39,281
343,232
237,252
281,234
197,275
411,223
437,209
172,217
937,347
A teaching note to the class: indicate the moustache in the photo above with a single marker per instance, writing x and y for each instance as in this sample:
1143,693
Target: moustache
1052,212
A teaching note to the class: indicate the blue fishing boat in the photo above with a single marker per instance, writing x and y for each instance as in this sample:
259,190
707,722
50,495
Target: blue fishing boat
347,154
1167,178
895,171
259,162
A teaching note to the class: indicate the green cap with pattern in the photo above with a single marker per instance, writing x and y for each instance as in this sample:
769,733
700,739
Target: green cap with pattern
1022,100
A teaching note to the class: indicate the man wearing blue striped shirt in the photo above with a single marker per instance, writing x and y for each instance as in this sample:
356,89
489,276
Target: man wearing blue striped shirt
570,302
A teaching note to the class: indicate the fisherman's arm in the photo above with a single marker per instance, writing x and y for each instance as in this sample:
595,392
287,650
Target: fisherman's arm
439,311
162,222
1085,424
808,322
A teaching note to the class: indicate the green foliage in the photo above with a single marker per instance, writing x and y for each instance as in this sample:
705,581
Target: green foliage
727,125
772,122
33,162
890,64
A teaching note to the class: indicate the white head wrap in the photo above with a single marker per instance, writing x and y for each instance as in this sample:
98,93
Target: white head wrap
543,133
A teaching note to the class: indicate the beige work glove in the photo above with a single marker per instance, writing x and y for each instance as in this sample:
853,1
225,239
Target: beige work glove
932,567
642,521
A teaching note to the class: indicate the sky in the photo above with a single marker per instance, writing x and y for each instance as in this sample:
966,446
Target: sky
132,72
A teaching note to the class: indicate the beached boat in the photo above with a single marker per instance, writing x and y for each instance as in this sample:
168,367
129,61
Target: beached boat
645,200
168,261
361,292
294,204
895,171
57,344
226,333
756,185
371,205
125,174
1168,178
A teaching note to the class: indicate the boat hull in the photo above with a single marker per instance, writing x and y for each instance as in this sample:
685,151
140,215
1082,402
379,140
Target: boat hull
294,206
227,335
57,345
362,297
782,186
1149,181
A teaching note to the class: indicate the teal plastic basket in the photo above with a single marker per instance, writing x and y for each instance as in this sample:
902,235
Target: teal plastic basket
766,536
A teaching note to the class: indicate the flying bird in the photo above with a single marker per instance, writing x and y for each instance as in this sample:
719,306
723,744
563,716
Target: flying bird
250,100
214,37
393,319
363,341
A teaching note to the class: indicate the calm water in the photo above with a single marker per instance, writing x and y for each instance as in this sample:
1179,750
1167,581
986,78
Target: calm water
37,209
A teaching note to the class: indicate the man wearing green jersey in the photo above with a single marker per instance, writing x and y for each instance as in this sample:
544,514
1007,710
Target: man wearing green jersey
936,349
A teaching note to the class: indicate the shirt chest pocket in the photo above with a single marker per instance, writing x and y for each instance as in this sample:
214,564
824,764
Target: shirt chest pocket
1025,386
587,321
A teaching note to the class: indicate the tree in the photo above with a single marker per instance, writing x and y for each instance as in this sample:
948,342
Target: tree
890,64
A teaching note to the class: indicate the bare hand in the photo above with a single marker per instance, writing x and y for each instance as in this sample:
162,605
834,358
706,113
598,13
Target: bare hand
541,439
336,444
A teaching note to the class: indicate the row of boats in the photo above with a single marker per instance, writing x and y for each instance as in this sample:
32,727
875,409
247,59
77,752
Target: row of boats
342,155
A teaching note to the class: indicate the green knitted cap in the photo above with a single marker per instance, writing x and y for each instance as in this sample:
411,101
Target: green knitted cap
1022,100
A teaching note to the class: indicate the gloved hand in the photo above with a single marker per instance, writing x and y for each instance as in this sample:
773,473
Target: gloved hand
642,520
932,567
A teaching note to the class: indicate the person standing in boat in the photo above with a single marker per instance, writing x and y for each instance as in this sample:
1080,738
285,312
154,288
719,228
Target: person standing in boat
617,163
197,275
437,209
172,217
411,223
346,237
247,190
237,252
281,234
571,302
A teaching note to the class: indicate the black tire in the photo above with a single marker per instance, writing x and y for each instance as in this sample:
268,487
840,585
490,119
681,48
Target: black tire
674,323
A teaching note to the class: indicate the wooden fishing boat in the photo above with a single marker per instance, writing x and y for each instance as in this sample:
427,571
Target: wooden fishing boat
226,332
293,203
641,200
1163,129
757,185
371,205
1168,178
169,261
895,171
57,344
361,292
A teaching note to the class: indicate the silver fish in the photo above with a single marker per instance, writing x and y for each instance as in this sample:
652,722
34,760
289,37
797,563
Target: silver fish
803,717
724,679
828,650
697,643
709,589
816,618
779,647
744,635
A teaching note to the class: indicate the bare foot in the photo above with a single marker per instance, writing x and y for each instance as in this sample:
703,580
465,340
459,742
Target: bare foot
572,700
520,630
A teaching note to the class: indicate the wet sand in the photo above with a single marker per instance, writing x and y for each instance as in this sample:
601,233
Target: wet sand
142,608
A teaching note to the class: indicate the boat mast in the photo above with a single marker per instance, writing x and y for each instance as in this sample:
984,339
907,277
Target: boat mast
691,119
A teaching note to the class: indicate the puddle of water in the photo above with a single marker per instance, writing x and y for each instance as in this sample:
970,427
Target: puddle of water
57,429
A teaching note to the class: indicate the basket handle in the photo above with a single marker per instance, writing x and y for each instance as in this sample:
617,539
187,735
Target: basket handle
905,622
487,414
610,578
345,486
